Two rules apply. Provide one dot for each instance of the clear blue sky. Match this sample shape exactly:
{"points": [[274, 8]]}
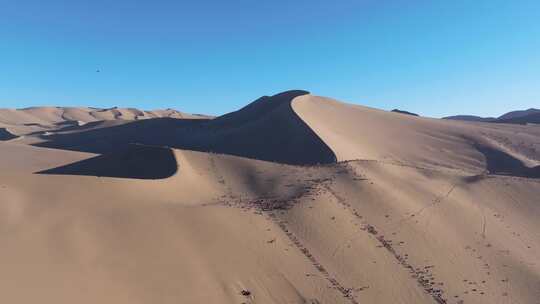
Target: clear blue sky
{"points": [[432, 57]]}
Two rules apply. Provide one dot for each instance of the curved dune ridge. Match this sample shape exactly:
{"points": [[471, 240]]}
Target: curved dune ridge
{"points": [[266, 129], [356, 132], [269, 129], [295, 127]]}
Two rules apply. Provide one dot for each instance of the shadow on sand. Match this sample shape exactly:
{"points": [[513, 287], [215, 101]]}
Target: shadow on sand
{"points": [[5, 135], [134, 161], [498, 162], [266, 129]]}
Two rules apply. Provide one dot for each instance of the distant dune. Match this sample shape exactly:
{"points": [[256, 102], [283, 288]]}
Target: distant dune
{"points": [[404, 112], [519, 114], [294, 198], [43, 119], [470, 118], [515, 117]]}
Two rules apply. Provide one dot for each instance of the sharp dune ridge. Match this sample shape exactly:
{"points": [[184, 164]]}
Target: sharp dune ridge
{"points": [[266, 129], [273, 129], [356, 132], [295, 198]]}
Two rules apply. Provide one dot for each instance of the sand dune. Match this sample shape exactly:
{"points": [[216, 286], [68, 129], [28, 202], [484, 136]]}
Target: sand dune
{"points": [[267, 129], [296, 127], [356, 132], [401, 209], [40, 119]]}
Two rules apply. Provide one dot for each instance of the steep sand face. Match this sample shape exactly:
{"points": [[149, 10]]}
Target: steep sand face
{"points": [[357, 132], [266, 129]]}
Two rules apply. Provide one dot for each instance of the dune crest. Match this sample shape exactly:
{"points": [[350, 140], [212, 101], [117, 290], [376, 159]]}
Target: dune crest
{"points": [[266, 129], [357, 132]]}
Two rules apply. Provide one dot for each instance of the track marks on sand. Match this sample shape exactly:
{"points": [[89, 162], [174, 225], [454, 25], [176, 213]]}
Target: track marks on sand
{"points": [[423, 275], [346, 292], [271, 205]]}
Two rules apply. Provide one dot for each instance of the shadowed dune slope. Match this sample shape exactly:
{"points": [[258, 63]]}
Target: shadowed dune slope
{"points": [[109, 138], [22, 158], [135, 161], [357, 132], [267, 129], [498, 162], [6, 135]]}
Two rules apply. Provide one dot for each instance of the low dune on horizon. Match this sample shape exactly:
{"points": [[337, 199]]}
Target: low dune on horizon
{"points": [[295, 198]]}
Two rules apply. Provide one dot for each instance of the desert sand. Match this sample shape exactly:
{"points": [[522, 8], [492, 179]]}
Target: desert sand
{"points": [[295, 198]]}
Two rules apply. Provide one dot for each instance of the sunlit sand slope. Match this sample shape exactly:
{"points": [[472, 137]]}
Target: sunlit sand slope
{"points": [[357, 132]]}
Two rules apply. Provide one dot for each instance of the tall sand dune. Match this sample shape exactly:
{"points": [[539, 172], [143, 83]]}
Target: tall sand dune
{"points": [[357, 132], [296, 127], [267, 129]]}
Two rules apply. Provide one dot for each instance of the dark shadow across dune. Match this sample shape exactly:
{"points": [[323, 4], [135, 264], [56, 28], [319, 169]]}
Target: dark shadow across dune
{"points": [[102, 140], [498, 162], [6, 135], [266, 129], [134, 161]]}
